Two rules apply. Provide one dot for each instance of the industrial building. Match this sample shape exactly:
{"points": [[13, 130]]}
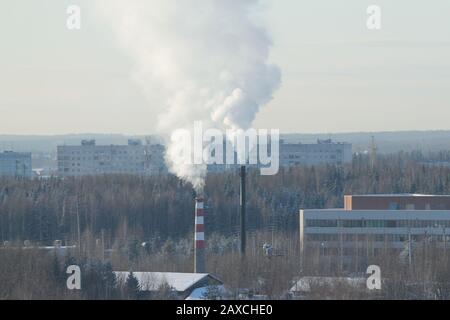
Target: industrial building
{"points": [[372, 224], [322, 152], [15, 164], [91, 159]]}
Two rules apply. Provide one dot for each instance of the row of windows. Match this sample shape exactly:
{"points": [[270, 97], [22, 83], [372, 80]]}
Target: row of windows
{"points": [[378, 223], [104, 163], [375, 237], [127, 158], [312, 151], [128, 166], [122, 165], [105, 152], [118, 170], [322, 223], [307, 157]]}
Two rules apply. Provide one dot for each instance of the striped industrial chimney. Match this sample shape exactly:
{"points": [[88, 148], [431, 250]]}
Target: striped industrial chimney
{"points": [[199, 259]]}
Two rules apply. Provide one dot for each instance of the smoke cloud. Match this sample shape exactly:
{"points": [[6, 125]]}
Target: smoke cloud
{"points": [[206, 59]]}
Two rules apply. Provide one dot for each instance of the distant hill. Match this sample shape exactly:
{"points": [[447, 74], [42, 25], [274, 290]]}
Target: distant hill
{"points": [[48, 144], [386, 142]]}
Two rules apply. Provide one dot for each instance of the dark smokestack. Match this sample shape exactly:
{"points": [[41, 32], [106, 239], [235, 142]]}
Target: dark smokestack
{"points": [[199, 249], [242, 206]]}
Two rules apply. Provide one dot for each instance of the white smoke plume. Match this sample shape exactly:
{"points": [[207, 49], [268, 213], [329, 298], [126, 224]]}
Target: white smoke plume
{"points": [[207, 59]]}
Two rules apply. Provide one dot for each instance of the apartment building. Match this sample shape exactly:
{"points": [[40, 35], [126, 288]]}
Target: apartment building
{"points": [[15, 164], [322, 152], [91, 159]]}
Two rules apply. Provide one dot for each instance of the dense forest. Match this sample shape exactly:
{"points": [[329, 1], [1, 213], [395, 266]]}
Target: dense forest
{"points": [[157, 208], [146, 224]]}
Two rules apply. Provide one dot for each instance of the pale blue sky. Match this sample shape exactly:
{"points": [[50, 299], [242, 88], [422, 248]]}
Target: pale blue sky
{"points": [[337, 75]]}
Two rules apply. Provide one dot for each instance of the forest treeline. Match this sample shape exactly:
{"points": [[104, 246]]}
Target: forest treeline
{"points": [[112, 216], [120, 207]]}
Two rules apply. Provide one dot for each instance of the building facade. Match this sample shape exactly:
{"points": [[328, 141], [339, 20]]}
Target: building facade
{"points": [[91, 159], [338, 229], [154, 159], [397, 202], [292, 154], [15, 164], [323, 152], [371, 228]]}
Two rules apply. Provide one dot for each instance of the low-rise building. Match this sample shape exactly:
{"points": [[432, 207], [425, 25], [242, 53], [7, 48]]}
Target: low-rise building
{"points": [[367, 229]]}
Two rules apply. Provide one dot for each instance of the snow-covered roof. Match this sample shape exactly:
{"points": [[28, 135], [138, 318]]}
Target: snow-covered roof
{"points": [[198, 294], [201, 293], [151, 281], [304, 284], [399, 195]]}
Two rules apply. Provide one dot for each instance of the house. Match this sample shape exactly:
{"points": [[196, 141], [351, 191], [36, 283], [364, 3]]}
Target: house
{"points": [[217, 292], [182, 284], [305, 285]]}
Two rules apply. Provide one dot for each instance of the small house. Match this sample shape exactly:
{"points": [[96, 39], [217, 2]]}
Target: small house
{"points": [[181, 284]]}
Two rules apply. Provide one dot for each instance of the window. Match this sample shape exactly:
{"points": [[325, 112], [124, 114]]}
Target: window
{"points": [[391, 224], [374, 223], [322, 237], [393, 206], [322, 223], [352, 223]]}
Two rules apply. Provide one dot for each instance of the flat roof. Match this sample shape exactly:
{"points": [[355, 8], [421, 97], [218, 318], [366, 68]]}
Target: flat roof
{"points": [[14, 152], [397, 195], [377, 214]]}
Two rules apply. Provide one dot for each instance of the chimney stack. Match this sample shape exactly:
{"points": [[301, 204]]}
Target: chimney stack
{"points": [[242, 209], [199, 252]]}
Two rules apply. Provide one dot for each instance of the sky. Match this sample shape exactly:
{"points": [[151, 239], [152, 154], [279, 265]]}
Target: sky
{"points": [[337, 75]]}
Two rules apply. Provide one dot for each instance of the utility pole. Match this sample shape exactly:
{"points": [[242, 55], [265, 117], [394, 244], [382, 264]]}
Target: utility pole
{"points": [[409, 248], [445, 244], [373, 153], [78, 225], [103, 245]]}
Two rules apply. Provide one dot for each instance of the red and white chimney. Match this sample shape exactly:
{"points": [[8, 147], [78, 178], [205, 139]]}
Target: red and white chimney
{"points": [[199, 251]]}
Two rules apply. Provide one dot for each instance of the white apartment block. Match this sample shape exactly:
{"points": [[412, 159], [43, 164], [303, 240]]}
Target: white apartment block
{"points": [[323, 152], [91, 159], [15, 164], [154, 160], [291, 154]]}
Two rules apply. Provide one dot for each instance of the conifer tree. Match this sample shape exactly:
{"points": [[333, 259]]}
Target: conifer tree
{"points": [[132, 287]]}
